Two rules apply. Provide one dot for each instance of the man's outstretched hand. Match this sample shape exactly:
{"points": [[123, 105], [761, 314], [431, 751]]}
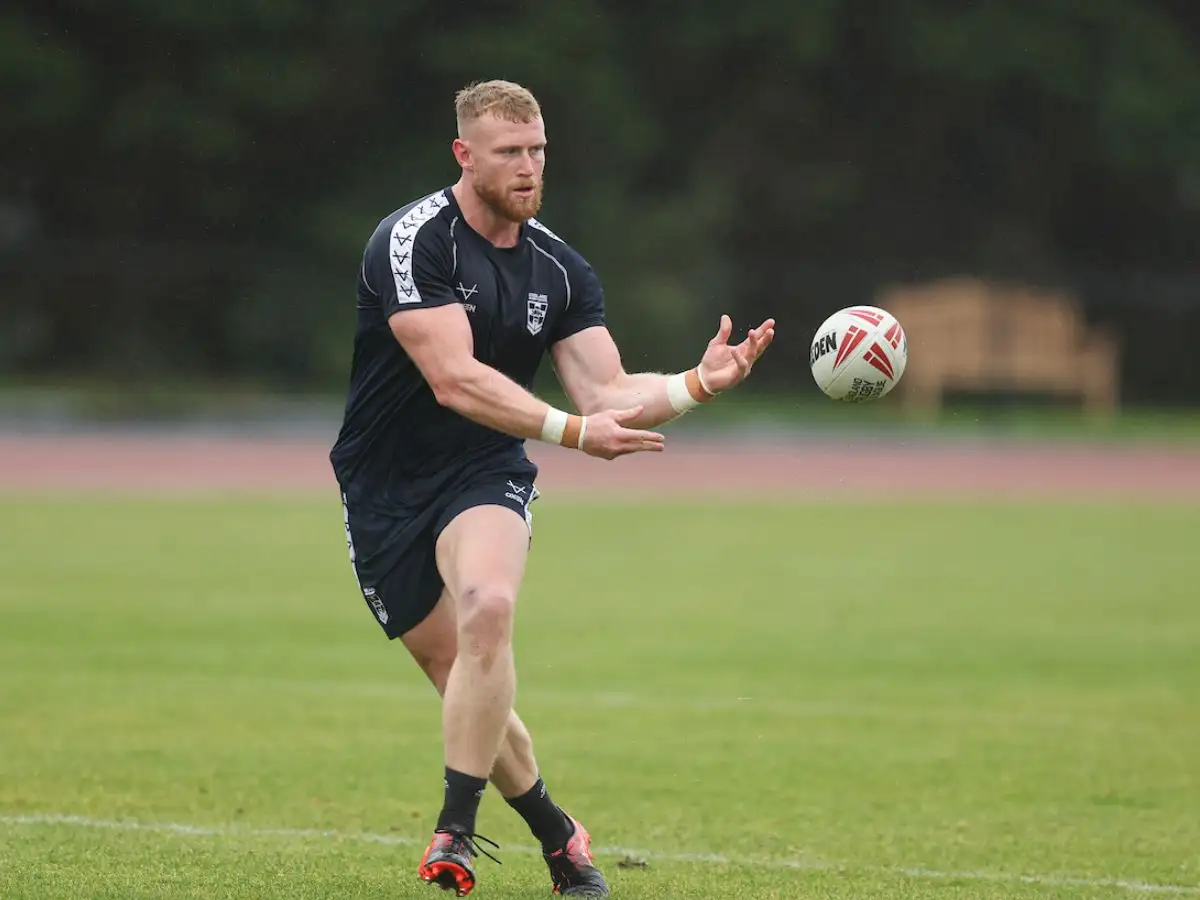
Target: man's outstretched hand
{"points": [[608, 437], [723, 366]]}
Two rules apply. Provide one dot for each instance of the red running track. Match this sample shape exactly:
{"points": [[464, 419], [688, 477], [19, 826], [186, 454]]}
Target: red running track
{"points": [[186, 465]]}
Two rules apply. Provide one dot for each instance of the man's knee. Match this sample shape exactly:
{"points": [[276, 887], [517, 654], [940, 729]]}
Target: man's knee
{"points": [[485, 616]]}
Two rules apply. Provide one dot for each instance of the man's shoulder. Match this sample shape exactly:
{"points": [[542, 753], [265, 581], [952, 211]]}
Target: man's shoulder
{"points": [[413, 216], [549, 242]]}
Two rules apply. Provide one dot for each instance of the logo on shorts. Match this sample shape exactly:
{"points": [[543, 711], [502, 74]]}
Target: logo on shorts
{"points": [[381, 612], [516, 492], [536, 315]]}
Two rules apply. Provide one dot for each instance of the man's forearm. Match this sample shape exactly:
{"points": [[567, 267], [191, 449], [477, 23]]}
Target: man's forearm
{"points": [[662, 397], [487, 396]]}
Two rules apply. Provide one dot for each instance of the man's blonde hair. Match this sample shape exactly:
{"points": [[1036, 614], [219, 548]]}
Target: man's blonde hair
{"points": [[503, 99]]}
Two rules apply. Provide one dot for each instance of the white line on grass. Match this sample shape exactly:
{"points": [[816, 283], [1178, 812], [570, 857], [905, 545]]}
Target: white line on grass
{"points": [[714, 859]]}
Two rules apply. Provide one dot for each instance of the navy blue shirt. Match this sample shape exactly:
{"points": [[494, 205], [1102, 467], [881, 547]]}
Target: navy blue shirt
{"points": [[397, 444]]}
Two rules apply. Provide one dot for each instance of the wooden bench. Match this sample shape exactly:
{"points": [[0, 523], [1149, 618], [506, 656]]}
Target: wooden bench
{"points": [[969, 335]]}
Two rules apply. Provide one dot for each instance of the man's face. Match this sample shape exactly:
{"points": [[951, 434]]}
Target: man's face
{"points": [[509, 158]]}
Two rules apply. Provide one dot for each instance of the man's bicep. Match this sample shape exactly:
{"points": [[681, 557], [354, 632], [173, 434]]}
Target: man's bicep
{"points": [[438, 340], [585, 307], [588, 363]]}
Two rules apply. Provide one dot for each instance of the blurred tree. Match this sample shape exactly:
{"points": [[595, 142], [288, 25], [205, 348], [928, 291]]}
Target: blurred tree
{"points": [[198, 178]]}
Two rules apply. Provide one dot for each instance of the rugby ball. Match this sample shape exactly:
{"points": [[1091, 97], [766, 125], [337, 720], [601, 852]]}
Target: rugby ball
{"points": [[858, 354]]}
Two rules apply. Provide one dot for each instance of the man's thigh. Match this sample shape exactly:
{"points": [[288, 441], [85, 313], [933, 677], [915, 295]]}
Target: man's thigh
{"points": [[483, 536], [398, 555], [434, 642]]}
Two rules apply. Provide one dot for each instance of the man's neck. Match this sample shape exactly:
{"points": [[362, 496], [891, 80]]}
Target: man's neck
{"points": [[499, 231]]}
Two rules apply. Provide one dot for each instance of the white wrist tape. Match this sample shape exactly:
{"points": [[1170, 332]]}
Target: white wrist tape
{"points": [[687, 390], [678, 395], [554, 425], [563, 428]]}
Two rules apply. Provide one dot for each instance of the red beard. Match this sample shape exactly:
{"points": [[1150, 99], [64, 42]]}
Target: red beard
{"points": [[510, 206]]}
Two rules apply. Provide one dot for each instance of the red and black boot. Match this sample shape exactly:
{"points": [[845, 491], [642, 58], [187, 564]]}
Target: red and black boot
{"points": [[572, 868], [447, 860]]}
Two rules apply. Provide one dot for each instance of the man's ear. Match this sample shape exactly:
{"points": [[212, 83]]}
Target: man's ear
{"points": [[462, 153]]}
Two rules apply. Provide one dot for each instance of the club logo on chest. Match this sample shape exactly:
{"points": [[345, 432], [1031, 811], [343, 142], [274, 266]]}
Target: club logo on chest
{"points": [[536, 314]]}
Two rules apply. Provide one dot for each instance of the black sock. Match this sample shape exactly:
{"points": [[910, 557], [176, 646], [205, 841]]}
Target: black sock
{"points": [[548, 823], [463, 793]]}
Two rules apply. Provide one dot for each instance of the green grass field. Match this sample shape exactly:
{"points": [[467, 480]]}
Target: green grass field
{"points": [[841, 700], [799, 407]]}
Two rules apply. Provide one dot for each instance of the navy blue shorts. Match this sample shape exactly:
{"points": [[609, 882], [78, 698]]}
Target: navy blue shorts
{"points": [[393, 552]]}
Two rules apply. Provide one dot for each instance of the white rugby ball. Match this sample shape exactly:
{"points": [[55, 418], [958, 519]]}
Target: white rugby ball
{"points": [[858, 354]]}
